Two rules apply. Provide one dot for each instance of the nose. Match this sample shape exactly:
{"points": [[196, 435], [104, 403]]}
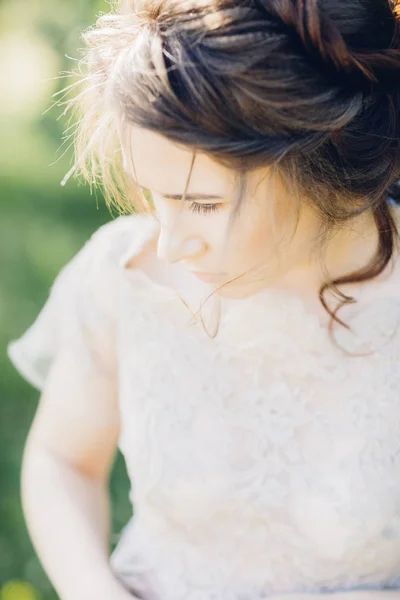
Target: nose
{"points": [[173, 247]]}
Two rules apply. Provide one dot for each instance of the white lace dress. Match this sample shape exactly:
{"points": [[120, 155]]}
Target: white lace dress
{"points": [[263, 461]]}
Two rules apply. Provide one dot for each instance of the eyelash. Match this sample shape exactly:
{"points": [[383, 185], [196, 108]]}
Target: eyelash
{"points": [[198, 208]]}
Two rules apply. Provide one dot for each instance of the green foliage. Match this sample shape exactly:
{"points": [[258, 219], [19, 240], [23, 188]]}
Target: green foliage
{"points": [[41, 227]]}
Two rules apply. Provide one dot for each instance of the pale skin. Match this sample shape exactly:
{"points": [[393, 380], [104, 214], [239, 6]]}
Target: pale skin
{"points": [[73, 439], [258, 252]]}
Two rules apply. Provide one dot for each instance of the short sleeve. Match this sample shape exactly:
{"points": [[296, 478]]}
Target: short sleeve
{"points": [[80, 310]]}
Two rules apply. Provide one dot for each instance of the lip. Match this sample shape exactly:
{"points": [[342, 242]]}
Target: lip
{"points": [[207, 277]]}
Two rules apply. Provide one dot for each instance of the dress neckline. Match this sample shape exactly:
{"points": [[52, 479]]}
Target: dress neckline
{"points": [[273, 308]]}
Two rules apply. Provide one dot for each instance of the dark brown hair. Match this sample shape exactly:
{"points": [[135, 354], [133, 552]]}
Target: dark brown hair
{"points": [[310, 87]]}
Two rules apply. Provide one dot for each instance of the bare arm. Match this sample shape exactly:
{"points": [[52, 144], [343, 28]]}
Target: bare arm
{"points": [[67, 460], [64, 482]]}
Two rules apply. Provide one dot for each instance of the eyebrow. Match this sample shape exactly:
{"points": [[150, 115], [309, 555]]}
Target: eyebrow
{"points": [[189, 197]]}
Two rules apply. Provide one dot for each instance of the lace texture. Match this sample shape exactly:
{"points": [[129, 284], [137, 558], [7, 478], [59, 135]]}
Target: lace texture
{"points": [[262, 461]]}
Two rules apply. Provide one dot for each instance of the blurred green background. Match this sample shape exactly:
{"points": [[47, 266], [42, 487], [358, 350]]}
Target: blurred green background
{"points": [[42, 225]]}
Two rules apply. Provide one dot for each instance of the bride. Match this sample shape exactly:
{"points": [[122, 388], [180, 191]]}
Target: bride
{"points": [[236, 334]]}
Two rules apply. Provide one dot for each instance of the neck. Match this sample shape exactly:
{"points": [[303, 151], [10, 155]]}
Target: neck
{"points": [[347, 251]]}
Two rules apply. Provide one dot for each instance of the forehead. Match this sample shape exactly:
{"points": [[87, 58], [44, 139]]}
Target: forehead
{"points": [[161, 165]]}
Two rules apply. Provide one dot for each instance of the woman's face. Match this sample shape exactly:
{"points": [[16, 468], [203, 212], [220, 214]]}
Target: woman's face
{"points": [[198, 232]]}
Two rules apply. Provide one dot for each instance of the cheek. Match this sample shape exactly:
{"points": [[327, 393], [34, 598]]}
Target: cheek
{"points": [[214, 230], [251, 241]]}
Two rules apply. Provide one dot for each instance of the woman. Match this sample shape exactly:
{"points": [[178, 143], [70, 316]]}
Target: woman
{"points": [[240, 340]]}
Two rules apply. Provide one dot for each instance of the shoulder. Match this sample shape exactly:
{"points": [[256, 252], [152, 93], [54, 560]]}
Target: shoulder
{"points": [[374, 318], [92, 276], [123, 238], [88, 282]]}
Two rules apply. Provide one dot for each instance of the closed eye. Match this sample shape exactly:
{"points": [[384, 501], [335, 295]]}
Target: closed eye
{"points": [[198, 208]]}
